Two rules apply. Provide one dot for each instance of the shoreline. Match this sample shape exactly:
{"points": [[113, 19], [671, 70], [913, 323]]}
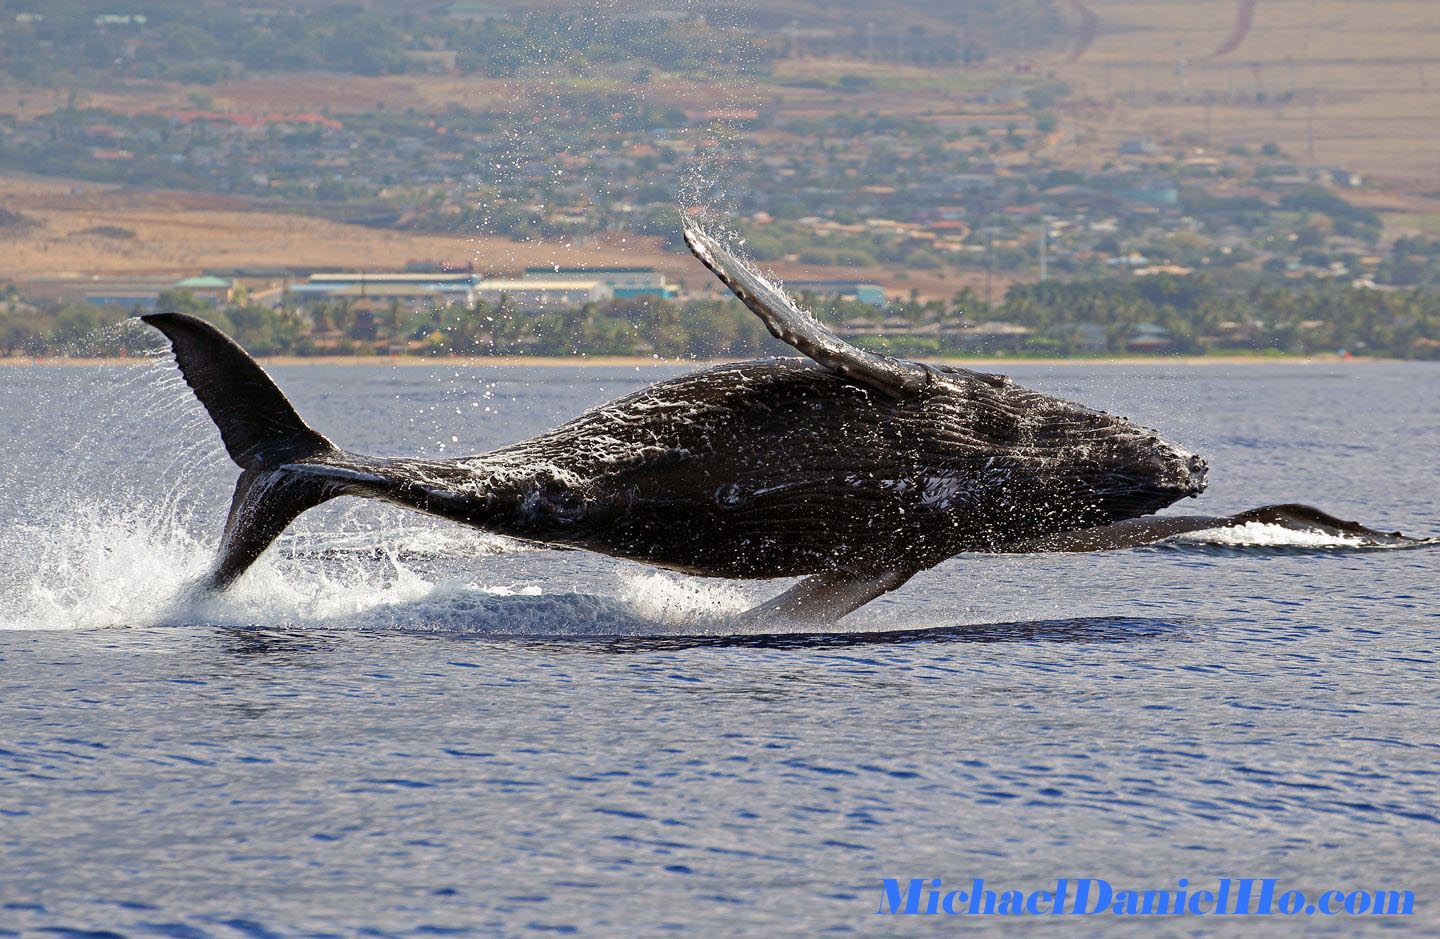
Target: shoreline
{"points": [[625, 361]]}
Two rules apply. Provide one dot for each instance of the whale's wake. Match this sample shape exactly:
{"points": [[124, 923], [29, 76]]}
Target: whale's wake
{"points": [[103, 568], [1262, 535]]}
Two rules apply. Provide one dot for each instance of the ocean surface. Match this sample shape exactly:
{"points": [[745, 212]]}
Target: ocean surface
{"points": [[394, 727]]}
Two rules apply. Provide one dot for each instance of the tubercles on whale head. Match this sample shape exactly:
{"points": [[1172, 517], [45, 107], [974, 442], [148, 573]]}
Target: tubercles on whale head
{"points": [[1134, 470], [1181, 470], [1199, 469], [1145, 473]]}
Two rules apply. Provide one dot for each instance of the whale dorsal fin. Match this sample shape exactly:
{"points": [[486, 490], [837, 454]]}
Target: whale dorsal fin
{"points": [[790, 324]]}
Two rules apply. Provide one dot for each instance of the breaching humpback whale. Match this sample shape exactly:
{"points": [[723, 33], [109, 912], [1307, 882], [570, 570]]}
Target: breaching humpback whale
{"points": [[848, 468]]}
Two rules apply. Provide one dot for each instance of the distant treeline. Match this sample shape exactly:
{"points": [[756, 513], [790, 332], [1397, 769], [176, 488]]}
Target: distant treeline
{"points": [[60, 41], [1193, 314], [1200, 316], [49, 42]]}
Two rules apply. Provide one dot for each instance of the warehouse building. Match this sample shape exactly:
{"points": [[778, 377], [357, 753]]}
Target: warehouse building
{"points": [[534, 293], [416, 291], [624, 282]]}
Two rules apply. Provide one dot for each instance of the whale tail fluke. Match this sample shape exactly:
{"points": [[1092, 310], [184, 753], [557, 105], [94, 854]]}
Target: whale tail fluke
{"points": [[259, 426], [263, 435]]}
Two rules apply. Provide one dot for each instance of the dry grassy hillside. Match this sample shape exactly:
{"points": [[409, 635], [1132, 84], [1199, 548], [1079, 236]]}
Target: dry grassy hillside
{"points": [[1352, 83], [84, 230], [1345, 83], [89, 229]]}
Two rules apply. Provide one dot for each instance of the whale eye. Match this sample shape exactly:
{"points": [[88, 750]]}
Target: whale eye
{"points": [[730, 495]]}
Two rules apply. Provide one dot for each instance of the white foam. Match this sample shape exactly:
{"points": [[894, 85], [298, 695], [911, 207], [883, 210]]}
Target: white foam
{"points": [[676, 602], [87, 572], [102, 567], [1265, 535]]}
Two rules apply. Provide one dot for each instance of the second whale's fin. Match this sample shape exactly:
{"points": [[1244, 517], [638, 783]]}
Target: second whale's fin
{"points": [[263, 435], [1134, 532], [897, 378]]}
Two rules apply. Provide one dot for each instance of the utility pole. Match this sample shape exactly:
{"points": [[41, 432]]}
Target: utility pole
{"points": [[989, 262], [1310, 132], [1044, 244]]}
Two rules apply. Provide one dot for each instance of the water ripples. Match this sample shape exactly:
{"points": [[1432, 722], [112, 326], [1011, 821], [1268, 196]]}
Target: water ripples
{"points": [[347, 746]]}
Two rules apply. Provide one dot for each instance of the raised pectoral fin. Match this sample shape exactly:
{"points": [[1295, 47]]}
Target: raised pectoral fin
{"points": [[821, 599], [790, 324]]}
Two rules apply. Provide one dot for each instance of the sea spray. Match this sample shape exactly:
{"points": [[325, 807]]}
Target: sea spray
{"points": [[667, 600], [103, 567]]}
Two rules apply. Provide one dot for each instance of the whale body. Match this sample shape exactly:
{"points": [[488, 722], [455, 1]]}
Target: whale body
{"points": [[851, 469]]}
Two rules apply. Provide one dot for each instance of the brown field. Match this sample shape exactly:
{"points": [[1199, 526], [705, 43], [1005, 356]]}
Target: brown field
{"points": [[896, 89], [1351, 84], [183, 233], [186, 232], [351, 94], [1333, 82]]}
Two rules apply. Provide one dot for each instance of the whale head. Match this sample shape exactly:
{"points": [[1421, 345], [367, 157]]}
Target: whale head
{"points": [[1143, 472], [1104, 468]]}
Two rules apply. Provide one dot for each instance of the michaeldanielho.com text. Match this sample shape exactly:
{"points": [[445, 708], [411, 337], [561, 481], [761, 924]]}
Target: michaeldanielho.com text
{"points": [[1090, 896]]}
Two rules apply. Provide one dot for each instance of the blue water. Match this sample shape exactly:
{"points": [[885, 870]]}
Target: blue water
{"points": [[396, 728]]}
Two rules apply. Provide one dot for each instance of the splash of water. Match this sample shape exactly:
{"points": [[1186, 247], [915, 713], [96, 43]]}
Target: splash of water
{"points": [[679, 602], [398, 540], [107, 539], [1262, 535], [104, 567]]}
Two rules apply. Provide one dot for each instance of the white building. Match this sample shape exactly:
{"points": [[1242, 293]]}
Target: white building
{"points": [[415, 290], [533, 293], [625, 282]]}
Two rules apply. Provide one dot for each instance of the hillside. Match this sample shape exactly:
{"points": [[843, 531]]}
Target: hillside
{"points": [[67, 231], [1335, 82], [925, 149]]}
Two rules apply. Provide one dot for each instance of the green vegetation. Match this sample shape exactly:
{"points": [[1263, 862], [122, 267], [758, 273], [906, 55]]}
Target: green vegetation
{"points": [[1193, 314], [1411, 262], [1246, 250], [1199, 317], [204, 43]]}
